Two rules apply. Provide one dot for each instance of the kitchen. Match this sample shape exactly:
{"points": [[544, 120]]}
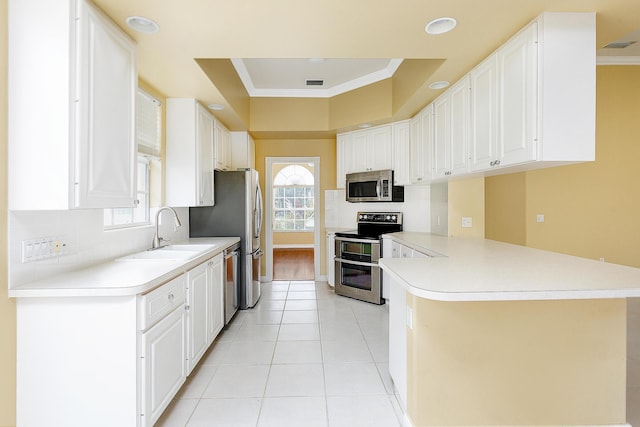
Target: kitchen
{"points": [[589, 208]]}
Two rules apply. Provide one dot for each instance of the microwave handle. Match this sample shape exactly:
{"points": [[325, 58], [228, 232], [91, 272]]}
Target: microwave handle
{"points": [[378, 187]]}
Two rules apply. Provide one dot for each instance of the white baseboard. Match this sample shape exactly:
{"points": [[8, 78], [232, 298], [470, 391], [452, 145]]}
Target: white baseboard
{"points": [[294, 246]]}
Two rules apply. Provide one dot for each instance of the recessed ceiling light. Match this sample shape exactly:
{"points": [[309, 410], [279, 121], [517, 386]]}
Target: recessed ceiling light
{"points": [[364, 125], [216, 107], [440, 25], [142, 24], [619, 45], [439, 85]]}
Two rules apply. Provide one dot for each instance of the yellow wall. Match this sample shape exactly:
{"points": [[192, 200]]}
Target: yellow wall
{"points": [[517, 362], [591, 209], [7, 306], [323, 148], [505, 208], [466, 199]]}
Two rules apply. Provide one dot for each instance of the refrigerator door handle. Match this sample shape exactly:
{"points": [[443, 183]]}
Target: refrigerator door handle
{"points": [[257, 214], [257, 253]]}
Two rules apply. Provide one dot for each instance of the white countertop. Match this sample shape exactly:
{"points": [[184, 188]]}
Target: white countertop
{"points": [[120, 278], [485, 270]]}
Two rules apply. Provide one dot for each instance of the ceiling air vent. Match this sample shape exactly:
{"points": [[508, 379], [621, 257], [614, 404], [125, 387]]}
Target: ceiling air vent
{"points": [[619, 45], [315, 82]]}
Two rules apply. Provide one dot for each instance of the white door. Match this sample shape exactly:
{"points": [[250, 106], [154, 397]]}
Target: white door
{"points": [[517, 73], [442, 137], [380, 148], [216, 297], [163, 365], [401, 157], [484, 98], [105, 145], [459, 126], [197, 314], [205, 159]]}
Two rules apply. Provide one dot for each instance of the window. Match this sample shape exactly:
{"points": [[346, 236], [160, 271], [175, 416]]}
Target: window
{"points": [[293, 199], [148, 133]]}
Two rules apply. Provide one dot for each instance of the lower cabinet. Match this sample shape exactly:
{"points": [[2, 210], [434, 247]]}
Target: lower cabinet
{"points": [[205, 309], [331, 253], [163, 365], [398, 340]]}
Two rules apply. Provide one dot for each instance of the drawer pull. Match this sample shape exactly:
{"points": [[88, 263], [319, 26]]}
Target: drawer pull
{"points": [[171, 297]]}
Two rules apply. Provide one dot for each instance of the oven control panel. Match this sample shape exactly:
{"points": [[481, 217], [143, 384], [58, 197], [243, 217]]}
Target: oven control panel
{"points": [[380, 217]]}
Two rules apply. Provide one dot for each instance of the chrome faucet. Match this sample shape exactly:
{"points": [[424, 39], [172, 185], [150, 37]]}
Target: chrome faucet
{"points": [[157, 239]]}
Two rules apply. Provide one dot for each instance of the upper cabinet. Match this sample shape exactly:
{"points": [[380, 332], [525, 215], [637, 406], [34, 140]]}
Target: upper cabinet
{"points": [[451, 131], [364, 150], [189, 154], [243, 151], [401, 149], [533, 100], [421, 146], [222, 141], [82, 152]]}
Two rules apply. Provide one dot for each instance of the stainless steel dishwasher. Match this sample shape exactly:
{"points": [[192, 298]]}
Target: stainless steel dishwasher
{"points": [[231, 290]]}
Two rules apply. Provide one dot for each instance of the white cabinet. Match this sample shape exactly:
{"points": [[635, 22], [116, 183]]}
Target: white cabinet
{"points": [[331, 254], [205, 310], [533, 100], [82, 152], [163, 359], [343, 146], [243, 151], [222, 141], [189, 154], [451, 130], [398, 314], [368, 150], [421, 149], [401, 149]]}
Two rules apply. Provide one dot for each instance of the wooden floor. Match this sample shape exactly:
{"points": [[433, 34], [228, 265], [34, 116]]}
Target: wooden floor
{"points": [[293, 264]]}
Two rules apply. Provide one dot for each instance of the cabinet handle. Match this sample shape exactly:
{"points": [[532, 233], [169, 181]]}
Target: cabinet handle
{"points": [[210, 263], [497, 162], [136, 202], [419, 179], [187, 308], [171, 297]]}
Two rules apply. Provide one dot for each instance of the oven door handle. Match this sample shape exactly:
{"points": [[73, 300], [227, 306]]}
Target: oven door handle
{"points": [[351, 239], [348, 261]]}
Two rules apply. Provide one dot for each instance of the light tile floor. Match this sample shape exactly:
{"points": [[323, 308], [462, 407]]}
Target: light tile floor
{"points": [[302, 357]]}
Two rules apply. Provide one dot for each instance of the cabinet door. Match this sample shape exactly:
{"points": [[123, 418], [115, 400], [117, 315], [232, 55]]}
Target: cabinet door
{"points": [[204, 164], [216, 298], [379, 148], [484, 98], [398, 339], [343, 157], [459, 126], [517, 73], [198, 314], [442, 137], [401, 157], [359, 152], [104, 143], [421, 146], [163, 365]]}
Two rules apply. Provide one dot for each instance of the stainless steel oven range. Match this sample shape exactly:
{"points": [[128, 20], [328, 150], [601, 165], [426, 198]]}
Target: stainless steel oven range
{"points": [[357, 255]]}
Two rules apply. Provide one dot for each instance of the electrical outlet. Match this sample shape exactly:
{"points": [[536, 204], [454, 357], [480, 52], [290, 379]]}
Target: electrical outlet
{"points": [[540, 218], [467, 222], [42, 248]]}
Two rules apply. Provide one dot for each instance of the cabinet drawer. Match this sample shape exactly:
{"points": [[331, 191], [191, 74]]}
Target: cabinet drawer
{"points": [[161, 301]]}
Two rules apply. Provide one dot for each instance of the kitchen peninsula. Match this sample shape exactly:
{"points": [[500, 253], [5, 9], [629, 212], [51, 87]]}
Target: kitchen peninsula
{"points": [[489, 333]]}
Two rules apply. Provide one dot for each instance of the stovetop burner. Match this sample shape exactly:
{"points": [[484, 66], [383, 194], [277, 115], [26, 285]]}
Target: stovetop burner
{"points": [[371, 225]]}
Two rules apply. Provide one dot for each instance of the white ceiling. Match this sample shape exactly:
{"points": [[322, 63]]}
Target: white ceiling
{"points": [[264, 77]]}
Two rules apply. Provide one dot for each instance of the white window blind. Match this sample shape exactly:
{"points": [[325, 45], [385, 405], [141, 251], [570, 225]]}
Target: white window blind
{"points": [[148, 123]]}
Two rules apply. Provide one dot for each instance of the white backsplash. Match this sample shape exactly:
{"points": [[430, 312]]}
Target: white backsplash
{"points": [[416, 209], [87, 242]]}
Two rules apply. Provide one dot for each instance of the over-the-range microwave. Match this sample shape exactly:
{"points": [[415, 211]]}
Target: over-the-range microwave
{"points": [[373, 186]]}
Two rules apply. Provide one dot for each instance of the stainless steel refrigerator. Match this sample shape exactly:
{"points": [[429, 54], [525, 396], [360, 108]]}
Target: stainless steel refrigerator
{"points": [[237, 212]]}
